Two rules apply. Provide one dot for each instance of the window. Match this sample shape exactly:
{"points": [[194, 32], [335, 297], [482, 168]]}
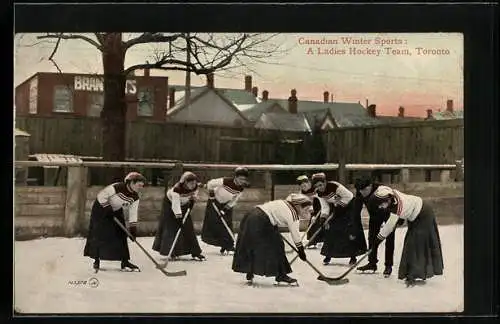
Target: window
{"points": [[63, 99], [146, 101], [95, 105], [33, 96]]}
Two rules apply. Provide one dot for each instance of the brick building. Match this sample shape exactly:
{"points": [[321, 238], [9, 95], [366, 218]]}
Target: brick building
{"points": [[53, 94]]}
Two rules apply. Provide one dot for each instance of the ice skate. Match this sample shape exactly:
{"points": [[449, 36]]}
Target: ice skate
{"points": [[387, 271], [198, 257], [285, 279], [368, 267], [326, 260], [249, 278], [410, 282], [352, 261], [128, 266], [96, 265]]}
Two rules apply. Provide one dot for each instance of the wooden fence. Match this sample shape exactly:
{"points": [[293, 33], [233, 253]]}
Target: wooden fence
{"points": [[65, 211], [437, 142]]}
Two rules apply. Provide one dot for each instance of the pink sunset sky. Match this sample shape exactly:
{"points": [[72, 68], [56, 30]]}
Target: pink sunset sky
{"points": [[404, 75]]}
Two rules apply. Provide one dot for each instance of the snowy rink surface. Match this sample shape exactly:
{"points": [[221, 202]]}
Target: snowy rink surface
{"points": [[53, 276]]}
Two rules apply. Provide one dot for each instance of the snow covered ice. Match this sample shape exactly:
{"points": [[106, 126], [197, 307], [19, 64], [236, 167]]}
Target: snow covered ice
{"points": [[53, 276]]}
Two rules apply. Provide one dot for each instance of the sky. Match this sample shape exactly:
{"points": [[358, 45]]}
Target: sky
{"points": [[418, 71]]}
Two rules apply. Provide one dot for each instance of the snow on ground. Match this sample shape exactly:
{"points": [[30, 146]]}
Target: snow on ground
{"points": [[52, 276]]}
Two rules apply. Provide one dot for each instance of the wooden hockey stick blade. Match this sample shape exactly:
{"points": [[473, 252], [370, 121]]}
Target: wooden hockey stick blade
{"points": [[333, 281], [173, 273], [158, 266], [342, 276]]}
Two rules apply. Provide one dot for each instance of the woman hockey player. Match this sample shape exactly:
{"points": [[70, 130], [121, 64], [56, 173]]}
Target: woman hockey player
{"points": [[422, 257], [307, 189], [260, 248], [177, 200], [224, 194], [364, 189], [105, 239], [344, 236]]}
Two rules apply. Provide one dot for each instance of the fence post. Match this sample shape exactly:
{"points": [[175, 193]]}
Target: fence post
{"points": [[459, 170], [405, 175], [444, 176], [76, 195], [268, 183], [341, 170]]}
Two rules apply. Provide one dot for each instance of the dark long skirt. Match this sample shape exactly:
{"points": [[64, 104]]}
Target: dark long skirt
{"points": [[105, 239], [187, 243], [259, 247], [320, 237], [337, 243], [422, 257], [213, 231]]}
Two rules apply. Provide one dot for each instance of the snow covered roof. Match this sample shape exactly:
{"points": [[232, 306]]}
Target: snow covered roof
{"points": [[43, 157]]}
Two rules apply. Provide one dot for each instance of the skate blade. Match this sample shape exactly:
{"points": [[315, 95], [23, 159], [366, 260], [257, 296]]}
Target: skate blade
{"points": [[130, 270], [286, 284], [366, 272]]}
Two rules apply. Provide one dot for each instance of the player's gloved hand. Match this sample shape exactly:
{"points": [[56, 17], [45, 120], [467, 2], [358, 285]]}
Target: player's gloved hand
{"points": [[225, 210], [132, 228], [302, 253], [211, 194]]}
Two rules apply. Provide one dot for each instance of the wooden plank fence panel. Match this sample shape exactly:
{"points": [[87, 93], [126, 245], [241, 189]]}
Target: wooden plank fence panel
{"points": [[418, 142]]}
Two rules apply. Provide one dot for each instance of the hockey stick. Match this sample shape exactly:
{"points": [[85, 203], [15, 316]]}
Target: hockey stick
{"points": [[322, 277], [354, 265], [224, 222], [168, 274], [313, 237], [164, 265]]}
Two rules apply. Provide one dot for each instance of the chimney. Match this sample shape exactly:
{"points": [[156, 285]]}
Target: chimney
{"points": [[171, 97], [449, 105], [265, 95], [255, 91], [372, 110], [210, 80], [326, 96], [401, 111], [429, 114], [248, 83], [146, 72], [292, 102]]}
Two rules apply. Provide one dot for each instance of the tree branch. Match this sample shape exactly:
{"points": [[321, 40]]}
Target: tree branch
{"points": [[72, 36], [151, 38]]}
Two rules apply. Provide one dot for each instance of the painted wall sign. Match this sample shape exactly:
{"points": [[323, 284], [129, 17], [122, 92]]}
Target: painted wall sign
{"points": [[87, 83]]}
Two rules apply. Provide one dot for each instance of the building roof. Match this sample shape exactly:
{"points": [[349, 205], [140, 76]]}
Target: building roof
{"points": [[253, 113], [237, 96], [196, 94], [284, 122], [397, 119], [455, 114]]}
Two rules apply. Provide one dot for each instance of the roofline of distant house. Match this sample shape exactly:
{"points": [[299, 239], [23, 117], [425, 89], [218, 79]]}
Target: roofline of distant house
{"points": [[206, 90]]}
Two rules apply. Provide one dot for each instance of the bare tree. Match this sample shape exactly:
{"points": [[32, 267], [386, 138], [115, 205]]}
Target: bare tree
{"points": [[208, 53]]}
